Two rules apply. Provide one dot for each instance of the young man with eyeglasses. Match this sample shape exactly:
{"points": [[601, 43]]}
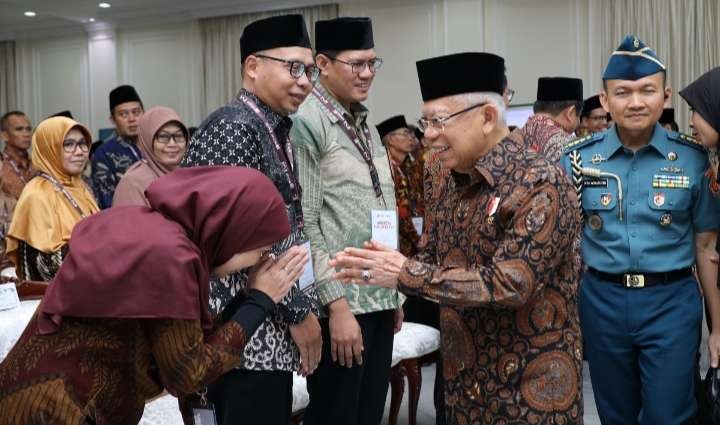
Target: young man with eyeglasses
{"points": [[115, 155], [594, 119], [345, 176], [495, 255], [253, 131]]}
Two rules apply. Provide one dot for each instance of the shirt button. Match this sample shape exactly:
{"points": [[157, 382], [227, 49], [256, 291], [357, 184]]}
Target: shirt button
{"points": [[632, 202], [634, 168]]}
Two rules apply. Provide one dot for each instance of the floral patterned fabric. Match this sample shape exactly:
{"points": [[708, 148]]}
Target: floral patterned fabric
{"points": [[497, 255], [408, 178], [102, 371]]}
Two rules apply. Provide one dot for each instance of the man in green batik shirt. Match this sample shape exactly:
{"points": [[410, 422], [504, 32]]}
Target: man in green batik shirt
{"points": [[344, 173]]}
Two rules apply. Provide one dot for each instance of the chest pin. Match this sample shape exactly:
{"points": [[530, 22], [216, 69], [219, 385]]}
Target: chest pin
{"points": [[595, 222], [665, 219], [672, 156], [659, 199]]}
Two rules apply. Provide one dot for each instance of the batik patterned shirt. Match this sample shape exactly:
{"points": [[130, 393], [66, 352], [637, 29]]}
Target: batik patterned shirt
{"points": [[408, 178], [234, 135], [338, 196], [109, 163], [543, 135], [496, 255]]}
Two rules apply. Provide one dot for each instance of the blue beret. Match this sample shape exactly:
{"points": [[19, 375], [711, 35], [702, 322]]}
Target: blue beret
{"points": [[632, 60]]}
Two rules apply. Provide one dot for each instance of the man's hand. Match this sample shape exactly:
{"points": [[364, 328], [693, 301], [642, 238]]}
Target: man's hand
{"points": [[375, 264], [308, 338], [346, 339]]}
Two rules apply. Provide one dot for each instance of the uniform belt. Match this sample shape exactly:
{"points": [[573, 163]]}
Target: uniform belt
{"points": [[641, 280]]}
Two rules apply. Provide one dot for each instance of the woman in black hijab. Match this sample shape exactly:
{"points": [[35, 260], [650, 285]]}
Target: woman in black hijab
{"points": [[703, 96]]}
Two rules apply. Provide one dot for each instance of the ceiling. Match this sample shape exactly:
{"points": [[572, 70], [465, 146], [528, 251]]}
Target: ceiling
{"points": [[62, 17]]}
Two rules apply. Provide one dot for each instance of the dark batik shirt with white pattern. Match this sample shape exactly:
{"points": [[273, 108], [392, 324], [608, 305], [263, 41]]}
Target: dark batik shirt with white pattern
{"points": [[109, 163], [233, 135]]}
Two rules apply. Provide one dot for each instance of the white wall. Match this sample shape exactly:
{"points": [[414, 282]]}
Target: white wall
{"points": [[537, 38], [77, 73]]}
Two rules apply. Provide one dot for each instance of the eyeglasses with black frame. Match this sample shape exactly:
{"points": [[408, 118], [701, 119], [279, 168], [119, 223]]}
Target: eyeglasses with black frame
{"points": [[357, 67], [439, 123], [164, 138], [69, 145], [297, 68]]}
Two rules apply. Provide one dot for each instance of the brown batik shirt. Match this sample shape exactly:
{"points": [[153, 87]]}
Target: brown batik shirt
{"points": [[408, 178], [496, 254], [16, 172]]}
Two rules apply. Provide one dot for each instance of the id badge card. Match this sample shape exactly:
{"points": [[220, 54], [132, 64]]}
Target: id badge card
{"points": [[204, 415], [8, 296], [418, 224], [307, 279], [384, 225]]}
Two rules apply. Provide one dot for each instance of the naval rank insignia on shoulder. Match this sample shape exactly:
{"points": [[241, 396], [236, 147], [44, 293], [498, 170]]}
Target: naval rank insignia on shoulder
{"points": [[582, 141], [685, 139]]}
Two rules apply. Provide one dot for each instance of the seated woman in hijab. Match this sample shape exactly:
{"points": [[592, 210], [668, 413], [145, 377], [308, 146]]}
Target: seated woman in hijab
{"points": [[126, 316], [162, 139], [53, 202]]}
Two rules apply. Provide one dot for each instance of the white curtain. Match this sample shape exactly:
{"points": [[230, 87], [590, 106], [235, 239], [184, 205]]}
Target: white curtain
{"points": [[684, 33], [221, 50], [8, 85]]}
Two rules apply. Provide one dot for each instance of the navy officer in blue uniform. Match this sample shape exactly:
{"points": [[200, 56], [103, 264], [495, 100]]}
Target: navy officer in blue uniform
{"points": [[649, 216]]}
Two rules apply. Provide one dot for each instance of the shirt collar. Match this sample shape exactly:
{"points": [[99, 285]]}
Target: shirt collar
{"points": [[21, 161], [274, 119], [486, 168], [658, 141], [358, 112]]}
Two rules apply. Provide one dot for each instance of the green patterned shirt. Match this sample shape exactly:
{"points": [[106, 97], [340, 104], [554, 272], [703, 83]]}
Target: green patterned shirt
{"points": [[338, 196]]}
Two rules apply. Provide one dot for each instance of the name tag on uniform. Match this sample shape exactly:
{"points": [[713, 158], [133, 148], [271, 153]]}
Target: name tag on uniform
{"points": [[307, 279], [385, 227], [8, 296], [418, 224], [595, 182]]}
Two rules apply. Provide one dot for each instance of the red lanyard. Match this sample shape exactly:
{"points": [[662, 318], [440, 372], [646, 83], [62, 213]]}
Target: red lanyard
{"points": [[59, 187], [286, 159], [365, 150]]}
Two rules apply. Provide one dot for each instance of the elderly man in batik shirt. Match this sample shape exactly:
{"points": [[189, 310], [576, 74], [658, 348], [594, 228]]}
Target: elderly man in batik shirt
{"points": [[556, 116], [496, 254]]}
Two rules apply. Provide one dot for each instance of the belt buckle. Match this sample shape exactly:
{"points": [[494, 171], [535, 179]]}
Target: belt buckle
{"points": [[634, 280]]}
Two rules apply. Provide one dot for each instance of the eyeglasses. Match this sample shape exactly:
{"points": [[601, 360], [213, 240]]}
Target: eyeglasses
{"points": [[598, 118], [69, 145], [439, 123], [403, 132], [357, 67], [510, 95], [297, 69], [126, 114], [164, 138]]}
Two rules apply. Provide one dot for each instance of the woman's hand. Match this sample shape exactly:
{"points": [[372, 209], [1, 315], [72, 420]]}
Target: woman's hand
{"points": [[376, 264], [275, 278]]}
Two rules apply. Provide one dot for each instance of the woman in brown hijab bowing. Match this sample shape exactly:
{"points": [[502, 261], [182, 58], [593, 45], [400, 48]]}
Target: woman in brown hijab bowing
{"points": [[162, 139], [53, 202], [127, 317]]}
